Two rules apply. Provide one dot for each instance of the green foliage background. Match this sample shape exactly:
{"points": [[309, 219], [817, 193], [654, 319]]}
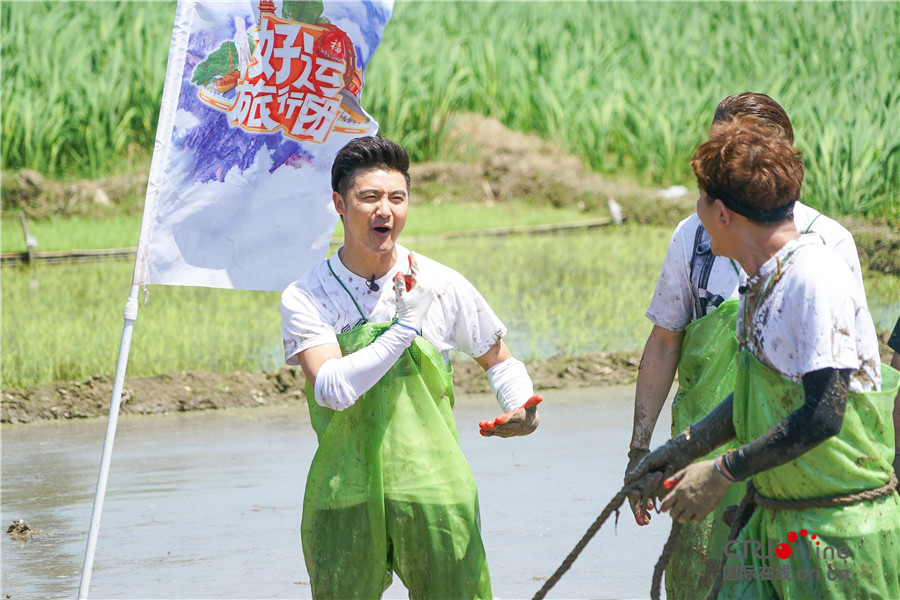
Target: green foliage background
{"points": [[629, 87]]}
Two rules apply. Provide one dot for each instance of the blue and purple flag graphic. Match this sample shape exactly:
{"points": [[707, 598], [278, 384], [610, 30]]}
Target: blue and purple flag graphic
{"points": [[259, 97]]}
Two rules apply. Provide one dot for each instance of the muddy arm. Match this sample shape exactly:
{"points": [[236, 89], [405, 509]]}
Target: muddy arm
{"points": [[655, 376], [820, 417]]}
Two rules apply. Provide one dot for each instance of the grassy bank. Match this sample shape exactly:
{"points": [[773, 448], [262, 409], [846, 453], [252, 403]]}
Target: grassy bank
{"points": [[628, 87], [64, 322], [568, 294]]}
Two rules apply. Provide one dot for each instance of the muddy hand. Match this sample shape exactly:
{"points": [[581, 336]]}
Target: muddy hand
{"points": [[695, 491], [640, 502], [514, 423], [646, 493], [675, 454]]}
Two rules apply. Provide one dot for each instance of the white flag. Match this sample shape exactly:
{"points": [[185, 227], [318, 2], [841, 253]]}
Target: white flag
{"points": [[259, 97]]}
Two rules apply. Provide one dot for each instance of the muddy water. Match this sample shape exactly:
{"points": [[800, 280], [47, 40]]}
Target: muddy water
{"points": [[207, 505]]}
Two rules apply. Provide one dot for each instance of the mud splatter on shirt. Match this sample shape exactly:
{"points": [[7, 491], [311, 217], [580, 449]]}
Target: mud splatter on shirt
{"points": [[804, 311]]}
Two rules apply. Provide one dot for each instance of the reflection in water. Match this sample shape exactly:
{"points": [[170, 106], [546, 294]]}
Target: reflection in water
{"points": [[207, 505]]}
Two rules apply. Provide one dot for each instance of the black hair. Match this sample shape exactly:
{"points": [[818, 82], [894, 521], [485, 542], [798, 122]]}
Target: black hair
{"points": [[366, 153]]}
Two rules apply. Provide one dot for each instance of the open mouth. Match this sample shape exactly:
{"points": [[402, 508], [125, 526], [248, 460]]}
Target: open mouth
{"points": [[383, 229]]}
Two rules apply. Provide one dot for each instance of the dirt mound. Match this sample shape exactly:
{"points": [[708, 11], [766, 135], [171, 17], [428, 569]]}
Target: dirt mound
{"points": [[878, 243], [197, 390], [486, 162], [40, 198]]}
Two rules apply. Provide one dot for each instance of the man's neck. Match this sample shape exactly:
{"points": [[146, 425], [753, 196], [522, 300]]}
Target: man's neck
{"points": [[759, 243], [368, 264]]}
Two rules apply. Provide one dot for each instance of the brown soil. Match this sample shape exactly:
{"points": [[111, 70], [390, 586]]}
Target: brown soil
{"points": [[485, 163], [197, 390], [20, 531]]}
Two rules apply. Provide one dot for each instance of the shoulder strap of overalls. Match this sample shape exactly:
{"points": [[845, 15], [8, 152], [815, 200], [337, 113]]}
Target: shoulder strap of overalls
{"points": [[702, 260], [338, 279]]}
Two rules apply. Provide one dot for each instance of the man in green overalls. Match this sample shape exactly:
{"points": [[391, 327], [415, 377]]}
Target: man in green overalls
{"points": [[693, 312], [372, 327], [811, 407]]}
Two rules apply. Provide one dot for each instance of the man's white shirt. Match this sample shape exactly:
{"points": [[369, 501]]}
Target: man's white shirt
{"points": [[316, 308], [673, 300], [805, 312]]}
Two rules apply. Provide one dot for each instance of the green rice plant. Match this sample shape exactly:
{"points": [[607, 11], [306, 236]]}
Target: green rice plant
{"points": [[567, 294], [883, 295], [629, 87], [72, 233], [64, 323], [82, 83]]}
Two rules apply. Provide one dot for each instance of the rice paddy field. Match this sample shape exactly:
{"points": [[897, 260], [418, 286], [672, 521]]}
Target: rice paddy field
{"points": [[568, 294], [628, 86]]}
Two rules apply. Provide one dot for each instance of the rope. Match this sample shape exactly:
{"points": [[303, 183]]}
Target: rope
{"points": [[613, 506], [745, 510], [753, 498], [663, 561], [826, 501]]}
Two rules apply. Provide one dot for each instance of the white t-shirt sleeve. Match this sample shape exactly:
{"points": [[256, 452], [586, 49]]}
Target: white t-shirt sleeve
{"points": [[822, 325], [833, 235], [303, 323], [845, 246], [474, 327], [672, 304]]}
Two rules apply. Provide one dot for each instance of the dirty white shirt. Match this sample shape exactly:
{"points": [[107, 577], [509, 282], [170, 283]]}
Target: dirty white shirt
{"points": [[804, 311], [673, 299], [315, 308]]}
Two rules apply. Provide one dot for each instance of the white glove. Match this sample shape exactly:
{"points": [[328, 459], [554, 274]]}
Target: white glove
{"points": [[414, 298]]}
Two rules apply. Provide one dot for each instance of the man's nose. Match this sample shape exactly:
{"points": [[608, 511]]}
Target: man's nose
{"points": [[383, 209]]}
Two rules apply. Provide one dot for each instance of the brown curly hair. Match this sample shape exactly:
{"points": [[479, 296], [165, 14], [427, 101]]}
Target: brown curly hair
{"points": [[760, 105], [752, 172]]}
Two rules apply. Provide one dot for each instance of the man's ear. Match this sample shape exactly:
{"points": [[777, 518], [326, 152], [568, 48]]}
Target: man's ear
{"points": [[338, 203], [724, 215]]}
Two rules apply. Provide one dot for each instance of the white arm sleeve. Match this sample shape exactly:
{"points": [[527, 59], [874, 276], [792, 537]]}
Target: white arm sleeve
{"points": [[510, 383], [341, 381]]}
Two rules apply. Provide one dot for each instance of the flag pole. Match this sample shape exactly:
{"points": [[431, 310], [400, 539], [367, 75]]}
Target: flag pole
{"points": [[177, 55], [131, 311]]}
